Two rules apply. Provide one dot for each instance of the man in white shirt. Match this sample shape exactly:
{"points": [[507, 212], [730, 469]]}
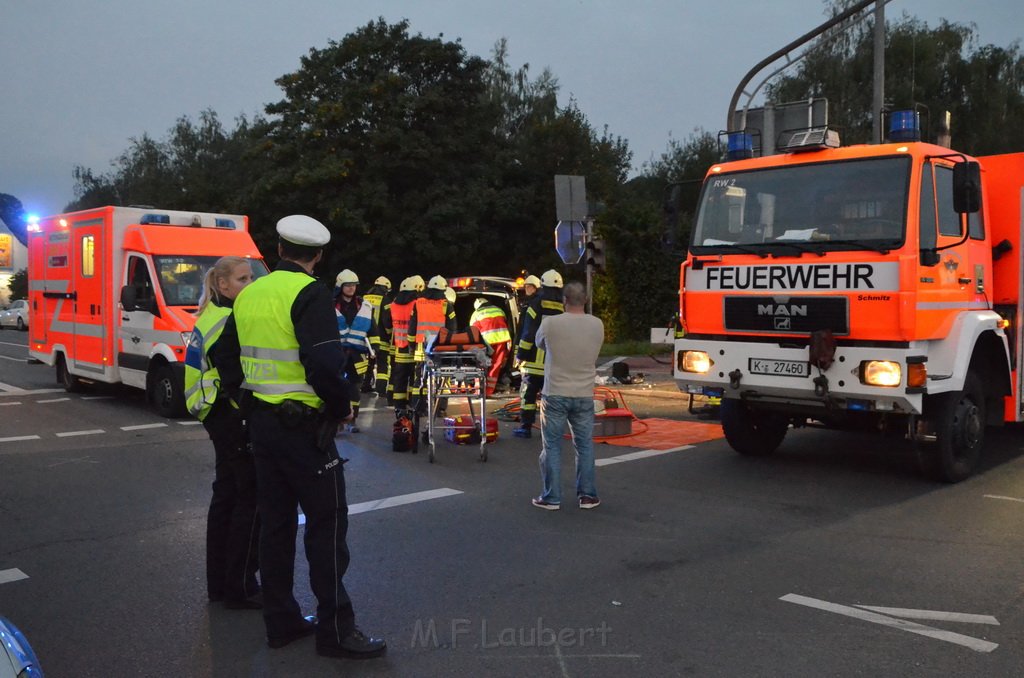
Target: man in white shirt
{"points": [[572, 342]]}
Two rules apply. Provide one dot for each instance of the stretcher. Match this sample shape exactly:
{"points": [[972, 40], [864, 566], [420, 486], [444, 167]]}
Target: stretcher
{"points": [[456, 366]]}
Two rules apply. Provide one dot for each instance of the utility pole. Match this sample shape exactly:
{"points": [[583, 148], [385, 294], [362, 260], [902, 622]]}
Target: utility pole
{"points": [[878, 90]]}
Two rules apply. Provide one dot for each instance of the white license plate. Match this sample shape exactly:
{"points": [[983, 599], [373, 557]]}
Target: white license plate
{"points": [[780, 368]]}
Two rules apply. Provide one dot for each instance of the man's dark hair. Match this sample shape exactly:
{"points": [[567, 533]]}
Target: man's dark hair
{"points": [[300, 253]]}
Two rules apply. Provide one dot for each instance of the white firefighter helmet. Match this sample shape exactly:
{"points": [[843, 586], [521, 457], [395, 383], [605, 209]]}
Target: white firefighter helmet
{"points": [[551, 278], [418, 284], [381, 280], [437, 283], [407, 285], [347, 277], [480, 301], [532, 280], [450, 295]]}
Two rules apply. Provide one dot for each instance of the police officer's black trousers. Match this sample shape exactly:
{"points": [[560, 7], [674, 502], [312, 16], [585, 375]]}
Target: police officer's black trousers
{"points": [[529, 389], [287, 466], [232, 525]]}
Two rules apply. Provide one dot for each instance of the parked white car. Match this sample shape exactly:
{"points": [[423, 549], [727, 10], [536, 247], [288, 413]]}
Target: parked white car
{"points": [[15, 315]]}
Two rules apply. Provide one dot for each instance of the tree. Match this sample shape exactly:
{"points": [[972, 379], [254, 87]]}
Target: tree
{"points": [[13, 214], [18, 285]]}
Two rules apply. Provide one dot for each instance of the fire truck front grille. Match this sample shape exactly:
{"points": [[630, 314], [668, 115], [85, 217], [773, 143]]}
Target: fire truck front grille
{"points": [[788, 315]]}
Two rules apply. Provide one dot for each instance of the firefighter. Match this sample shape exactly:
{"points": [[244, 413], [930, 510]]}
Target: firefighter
{"points": [[395, 324], [283, 340], [431, 312], [232, 525], [530, 287], [490, 320], [378, 356], [530, 357], [355, 326]]}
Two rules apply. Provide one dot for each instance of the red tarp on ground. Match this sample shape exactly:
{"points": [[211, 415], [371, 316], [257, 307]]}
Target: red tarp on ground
{"points": [[664, 434]]}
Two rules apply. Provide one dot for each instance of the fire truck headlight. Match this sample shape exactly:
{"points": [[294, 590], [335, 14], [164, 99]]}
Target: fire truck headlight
{"points": [[695, 361], [880, 373]]}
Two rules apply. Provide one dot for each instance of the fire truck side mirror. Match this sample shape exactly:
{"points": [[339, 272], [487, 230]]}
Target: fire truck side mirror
{"points": [[966, 187]]}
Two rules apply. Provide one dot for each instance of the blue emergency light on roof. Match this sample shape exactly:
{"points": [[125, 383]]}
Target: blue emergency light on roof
{"points": [[224, 223], [904, 126], [740, 146], [155, 219]]}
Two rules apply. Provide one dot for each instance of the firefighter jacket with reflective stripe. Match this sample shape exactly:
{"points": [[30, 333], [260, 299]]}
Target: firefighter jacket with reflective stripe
{"points": [[491, 322], [430, 313], [544, 304], [355, 323], [266, 338], [202, 380], [375, 297], [400, 313]]}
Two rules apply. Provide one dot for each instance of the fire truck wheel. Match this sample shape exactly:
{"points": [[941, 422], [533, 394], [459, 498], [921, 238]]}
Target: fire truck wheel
{"points": [[959, 423], [751, 432], [164, 393], [70, 382]]}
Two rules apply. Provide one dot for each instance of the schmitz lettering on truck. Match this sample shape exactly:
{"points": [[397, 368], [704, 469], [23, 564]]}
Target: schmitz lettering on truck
{"points": [[873, 277]]}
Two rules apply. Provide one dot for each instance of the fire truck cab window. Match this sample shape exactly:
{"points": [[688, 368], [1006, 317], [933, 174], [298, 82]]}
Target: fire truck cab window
{"points": [[949, 220], [839, 205]]}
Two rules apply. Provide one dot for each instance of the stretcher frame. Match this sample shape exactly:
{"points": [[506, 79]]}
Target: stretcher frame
{"points": [[445, 366]]}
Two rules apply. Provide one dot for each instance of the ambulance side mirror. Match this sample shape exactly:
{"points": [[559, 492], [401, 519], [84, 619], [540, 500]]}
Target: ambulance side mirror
{"points": [[128, 298]]}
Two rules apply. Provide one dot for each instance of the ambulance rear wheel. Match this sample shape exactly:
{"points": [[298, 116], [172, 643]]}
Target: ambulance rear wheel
{"points": [[165, 394], [70, 382], [958, 420], [750, 432]]}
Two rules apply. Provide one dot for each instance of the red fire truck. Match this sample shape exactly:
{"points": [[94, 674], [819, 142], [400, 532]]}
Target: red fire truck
{"points": [[871, 285]]}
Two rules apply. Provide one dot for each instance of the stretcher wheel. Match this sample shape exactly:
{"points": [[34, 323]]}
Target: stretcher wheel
{"points": [[483, 454]]}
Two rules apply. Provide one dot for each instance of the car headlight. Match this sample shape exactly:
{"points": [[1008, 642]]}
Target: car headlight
{"points": [[697, 362], [880, 373]]}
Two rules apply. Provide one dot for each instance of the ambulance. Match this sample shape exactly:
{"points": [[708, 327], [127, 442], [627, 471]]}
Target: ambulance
{"points": [[113, 290], [870, 286]]}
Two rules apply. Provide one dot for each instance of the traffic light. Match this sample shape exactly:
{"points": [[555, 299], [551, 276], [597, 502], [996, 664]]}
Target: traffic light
{"points": [[595, 255]]}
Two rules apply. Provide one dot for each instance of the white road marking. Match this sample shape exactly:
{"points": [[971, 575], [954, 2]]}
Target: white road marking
{"points": [[90, 432], [139, 427], [7, 343], [611, 362], [189, 423], [96, 397], [54, 400], [17, 360], [933, 615], [7, 389], [975, 644], [642, 454], [14, 439], [390, 502], [13, 574], [16, 402], [996, 496]]}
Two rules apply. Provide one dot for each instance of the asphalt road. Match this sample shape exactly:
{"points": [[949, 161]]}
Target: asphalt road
{"points": [[698, 562]]}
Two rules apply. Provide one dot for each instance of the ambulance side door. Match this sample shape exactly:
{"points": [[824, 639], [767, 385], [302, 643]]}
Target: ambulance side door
{"points": [[136, 330], [90, 335]]}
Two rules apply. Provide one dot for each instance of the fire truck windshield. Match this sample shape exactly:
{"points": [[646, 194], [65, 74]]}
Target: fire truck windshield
{"points": [[181, 276], [853, 204]]}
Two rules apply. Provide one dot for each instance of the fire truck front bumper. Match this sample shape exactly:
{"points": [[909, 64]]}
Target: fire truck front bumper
{"points": [[860, 378]]}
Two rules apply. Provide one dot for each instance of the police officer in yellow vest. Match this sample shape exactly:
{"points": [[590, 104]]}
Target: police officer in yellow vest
{"points": [[232, 525], [531, 357], [284, 335]]}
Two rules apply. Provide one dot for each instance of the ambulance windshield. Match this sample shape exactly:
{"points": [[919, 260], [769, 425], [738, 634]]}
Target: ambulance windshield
{"points": [[181, 276], [855, 204]]}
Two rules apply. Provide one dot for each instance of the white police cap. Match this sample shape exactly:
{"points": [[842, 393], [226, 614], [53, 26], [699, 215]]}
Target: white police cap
{"points": [[302, 230]]}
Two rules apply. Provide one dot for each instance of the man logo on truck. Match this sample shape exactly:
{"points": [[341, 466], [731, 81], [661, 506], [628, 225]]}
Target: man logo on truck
{"points": [[782, 314]]}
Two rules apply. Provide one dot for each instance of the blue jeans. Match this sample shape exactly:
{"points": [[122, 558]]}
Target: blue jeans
{"points": [[555, 412]]}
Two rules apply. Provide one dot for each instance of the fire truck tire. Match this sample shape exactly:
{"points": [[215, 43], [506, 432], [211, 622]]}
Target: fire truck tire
{"points": [[165, 394], [959, 424], [70, 382], [749, 432]]}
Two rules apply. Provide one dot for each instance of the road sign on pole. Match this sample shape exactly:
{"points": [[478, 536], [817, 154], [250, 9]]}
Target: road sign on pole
{"points": [[570, 240], [570, 197]]}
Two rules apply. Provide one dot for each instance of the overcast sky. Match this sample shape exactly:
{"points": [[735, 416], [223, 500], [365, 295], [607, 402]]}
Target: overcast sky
{"points": [[79, 79]]}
